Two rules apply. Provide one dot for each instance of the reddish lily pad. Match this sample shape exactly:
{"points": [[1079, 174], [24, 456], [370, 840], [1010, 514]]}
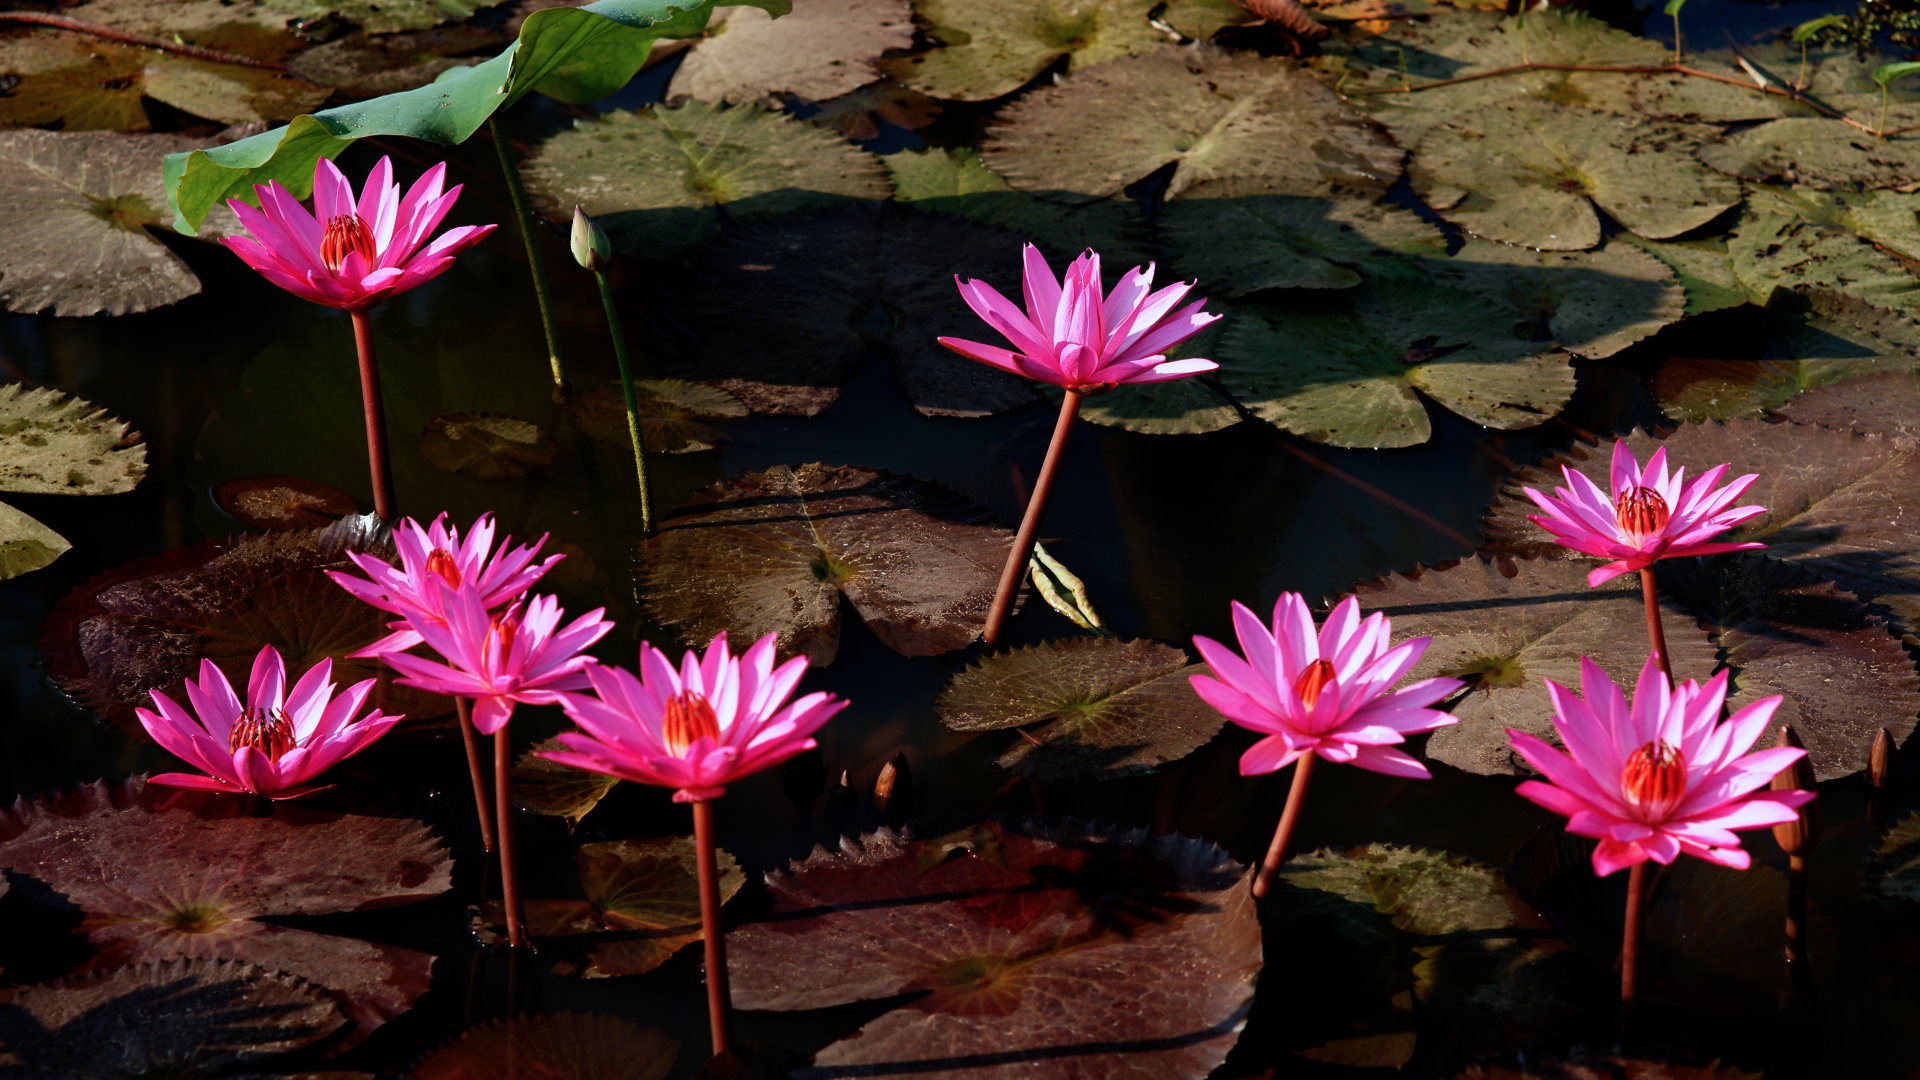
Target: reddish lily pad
{"points": [[1504, 633], [283, 502], [161, 875], [821, 50], [774, 551], [487, 446], [1092, 706], [858, 114], [1081, 950], [547, 787], [577, 1046], [146, 625], [188, 1017], [674, 414]]}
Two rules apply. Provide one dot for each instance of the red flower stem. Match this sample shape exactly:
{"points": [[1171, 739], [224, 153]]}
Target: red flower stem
{"points": [[1281, 849], [1630, 944], [377, 464], [1797, 915], [1655, 632], [503, 809], [1010, 574], [719, 998], [476, 771]]}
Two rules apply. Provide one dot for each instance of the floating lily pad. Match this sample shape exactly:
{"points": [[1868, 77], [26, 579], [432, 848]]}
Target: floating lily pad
{"points": [[363, 65], [52, 443], [1093, 706], [147, 625], [1592, 303], [1035, 953], [1180, 407], [1816, 151], [824, 286], [189, 1017], [1895, 871], [1770, 250], [956, 181], [858, 114], [542, 786], [993, 47], [26, 544], [1345, 370], [642, 904], [1884, 401], [1838, 501], [162, 876], [1292, 241], [75, 208], [1505, 634], [1408, 941], [654, 179], [487, 446], [774, 551], [1530, 173], [821, 50], [1887, 219], [1693, 99], [283, 502], [379, 16], [577, 1046], [673, 414], [1211, 114], [1785, 631]]}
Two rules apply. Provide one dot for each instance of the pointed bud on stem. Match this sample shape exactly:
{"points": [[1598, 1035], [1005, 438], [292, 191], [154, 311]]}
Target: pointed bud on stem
{"points": [[893, 791], [1880, 760], [591, 248], [1796, 837]]}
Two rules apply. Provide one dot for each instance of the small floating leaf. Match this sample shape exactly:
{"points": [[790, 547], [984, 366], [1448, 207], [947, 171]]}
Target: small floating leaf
{"points": [[823, 49], [487, 446], [673, 414], [563, 791], [283, 502], [577, 1046]]}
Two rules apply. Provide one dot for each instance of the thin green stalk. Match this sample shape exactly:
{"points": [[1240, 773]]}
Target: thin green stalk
{"points": [[542, 292], [633, 404]]}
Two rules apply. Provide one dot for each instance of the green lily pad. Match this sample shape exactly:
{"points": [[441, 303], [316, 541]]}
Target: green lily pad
{"points": [[1882, 401], [956, 181], [487, 446], [1895, 871], [1182, 407], [52, 443], [1292, 241], [1770, 250], [994, 47], [1035, 957], [1691, 99], [1503, 634], [774, 551], [542, 786], [1887, 219], [1211, 114], [673, 414], [655, 179], [1530, 173], [642, 905], [825, 48], [1592, 303], [378, 16], [1092, 706], [26, 544], [1345, 370], [75, 208], [1818, 152]]}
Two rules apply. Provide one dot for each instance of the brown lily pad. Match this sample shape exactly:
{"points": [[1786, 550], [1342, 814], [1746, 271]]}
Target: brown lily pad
{"points": [[1884, 401], [283, 502], [1035, 950], [822, 49], [774, 551], [576, 1046], [674, 414], [547, 787], [487, 446], [159, 875]]}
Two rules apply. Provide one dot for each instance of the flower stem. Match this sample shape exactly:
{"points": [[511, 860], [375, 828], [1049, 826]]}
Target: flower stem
{"points": [[1016, 567], [476, 771], [719, 998], [1630, 944], [633, 404], [1797, 916], [1655, 632], [1281, 849], [378, 466], [503, 811], [542, 292]]}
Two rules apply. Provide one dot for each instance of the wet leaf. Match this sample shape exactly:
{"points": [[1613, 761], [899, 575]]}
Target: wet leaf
{"points": [[1592, 303], [956, 181], [362, 65], [1531, 173], [1785, 631], [1041, 959], [859, 114], [52, 443], [994, 47], [774, 551], [829, 284], [26, 544], [1769, 251], [1408, 940], [187, 1017], [1887, 219], [1292, 241], [1894, 873], [1838, 501], [577, 1046], [563, 791], [1819, 152], [1091, 706], [159, 875], [75, 209], [487, 446], [1211, 114], [379, 16], [825, 48], [283, 502], [1505, 634], [1884, 401], [1345, 369], [655, 179], [673, 414], [146, 625]]}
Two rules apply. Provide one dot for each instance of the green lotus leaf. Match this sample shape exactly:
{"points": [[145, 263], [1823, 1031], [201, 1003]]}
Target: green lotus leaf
{"points": [[1888, 219], [578, 1046], [1592, 303], [956, 181], [1292, 241], [825, 48], [1769, 250], [1191, 406], [1819, 152]]}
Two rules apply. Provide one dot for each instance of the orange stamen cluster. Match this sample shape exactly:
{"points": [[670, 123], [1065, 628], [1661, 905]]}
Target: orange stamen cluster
{"points": [[441, 562], [688, 719], [347, 233], [1313, 679], [1654, 779], [271, 733], [1641, 511]]}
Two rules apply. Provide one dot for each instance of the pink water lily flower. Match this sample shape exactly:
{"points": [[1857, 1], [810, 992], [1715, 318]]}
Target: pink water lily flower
{"points": [[1329, 694], [696, 729], [434, 556], [518, 656], [1072, 336], [272, 743], [352, 252], [1650, 514], [1663, 778]]}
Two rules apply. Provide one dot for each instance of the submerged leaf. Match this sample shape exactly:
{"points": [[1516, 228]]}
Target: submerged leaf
{"points": [[1040, 958], [1092, 706], [673, 414], [1504, 634], [577, 1046], [825, 48], [774, 551]]}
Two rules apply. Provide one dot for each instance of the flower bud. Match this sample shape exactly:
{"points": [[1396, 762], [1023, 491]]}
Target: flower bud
{"points": [[591, 248], [1880, 759], [1797, 837], [893, 791]]}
